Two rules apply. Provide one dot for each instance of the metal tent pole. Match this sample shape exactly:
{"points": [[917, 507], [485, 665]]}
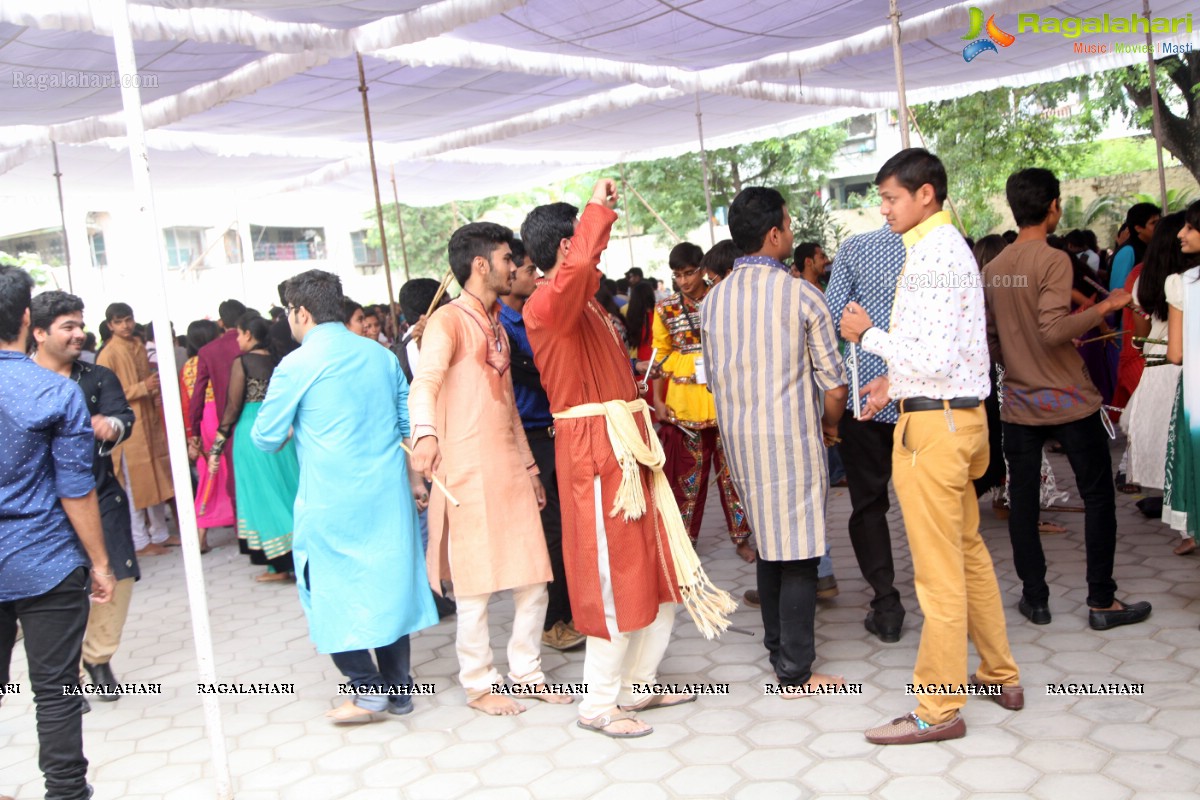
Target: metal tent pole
{"points": [[147, 225], [387, 262], [62, 215], [898, 57], [712, 236], [1154, 101]]}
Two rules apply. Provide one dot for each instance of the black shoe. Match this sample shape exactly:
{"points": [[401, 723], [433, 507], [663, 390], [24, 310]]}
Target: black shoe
{"points": [[104, 681], [887, 633], [400, 709], [1127, 614], [445, 606], [1037, 613]]}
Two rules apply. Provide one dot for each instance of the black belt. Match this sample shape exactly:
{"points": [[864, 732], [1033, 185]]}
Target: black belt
{"points": [[539, 433], [930, 404]]}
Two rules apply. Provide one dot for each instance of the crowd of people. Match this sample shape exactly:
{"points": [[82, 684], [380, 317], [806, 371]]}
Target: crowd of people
{"points": [[549, 433]]}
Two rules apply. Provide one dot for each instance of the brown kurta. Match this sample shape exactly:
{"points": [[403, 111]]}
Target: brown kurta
{"points": [[463, 391], [582, 360], [145, 451]]}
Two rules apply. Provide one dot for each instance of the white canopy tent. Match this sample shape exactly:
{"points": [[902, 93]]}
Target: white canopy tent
{"points": [[469, 98], [472, 98]]}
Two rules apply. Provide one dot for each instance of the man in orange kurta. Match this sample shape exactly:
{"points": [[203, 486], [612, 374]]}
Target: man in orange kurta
{"points": [[468, 433], [619, 570], [142, 462]]}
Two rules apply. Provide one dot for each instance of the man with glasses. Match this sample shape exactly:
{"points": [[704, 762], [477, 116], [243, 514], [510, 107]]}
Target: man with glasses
{"points": [[689, 434]]}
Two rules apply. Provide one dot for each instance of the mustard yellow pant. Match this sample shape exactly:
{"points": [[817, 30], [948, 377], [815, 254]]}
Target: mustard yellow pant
{"points": [[933, 464]]}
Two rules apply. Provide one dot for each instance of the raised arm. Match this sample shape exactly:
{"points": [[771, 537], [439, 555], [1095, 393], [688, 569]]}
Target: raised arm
{"points": [[561, 302], [113, 405], [1055, 321]]}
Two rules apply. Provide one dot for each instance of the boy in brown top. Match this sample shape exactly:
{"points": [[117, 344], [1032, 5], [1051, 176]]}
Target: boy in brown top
{"points": [[1049, 394]]}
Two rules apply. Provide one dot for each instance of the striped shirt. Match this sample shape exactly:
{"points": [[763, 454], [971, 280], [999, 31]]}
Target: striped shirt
{"points": [[771, 350]]}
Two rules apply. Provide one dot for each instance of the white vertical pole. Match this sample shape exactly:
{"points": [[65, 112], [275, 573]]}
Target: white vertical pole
{"points": [[898, 58], [1154, 101], [146, 225], [712, 236]]}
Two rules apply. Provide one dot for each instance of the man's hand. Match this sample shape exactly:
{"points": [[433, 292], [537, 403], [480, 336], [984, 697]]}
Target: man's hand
{"points": [[1117, 298], [874, 397], [102, 429], [418, 327], [153, 383], [660, 411], [855, 322], [539, 491], [427, 457], [605, 193], [420, 494], [193, 450], [829, 433], [103, 584]]}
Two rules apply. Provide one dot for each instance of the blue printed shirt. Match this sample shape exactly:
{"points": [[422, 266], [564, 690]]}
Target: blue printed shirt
{"points": [[46, 454], [532, 404], [867, 270]]}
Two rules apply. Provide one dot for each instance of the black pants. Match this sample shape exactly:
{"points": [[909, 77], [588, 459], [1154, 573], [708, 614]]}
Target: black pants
{"points": [[867, 455], [559, 609], [393, 670], [54, 624], [1085, 443], [788, 593]]}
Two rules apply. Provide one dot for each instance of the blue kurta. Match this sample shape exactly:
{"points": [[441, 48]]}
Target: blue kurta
{"points": [[357, 546]]}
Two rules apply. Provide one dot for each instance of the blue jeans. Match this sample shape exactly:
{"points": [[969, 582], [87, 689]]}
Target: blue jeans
{"points": [[825, 565], [378, 684]]}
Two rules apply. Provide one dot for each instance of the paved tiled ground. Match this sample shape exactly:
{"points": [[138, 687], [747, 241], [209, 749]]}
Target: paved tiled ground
{"points": [[743, 745]]}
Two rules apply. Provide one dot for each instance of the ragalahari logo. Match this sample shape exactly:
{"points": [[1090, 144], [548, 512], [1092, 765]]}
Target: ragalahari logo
{"points": [[995, 36]]}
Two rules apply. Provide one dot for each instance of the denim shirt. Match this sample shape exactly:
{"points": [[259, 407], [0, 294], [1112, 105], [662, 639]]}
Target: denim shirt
{"points": [[46, 454]]}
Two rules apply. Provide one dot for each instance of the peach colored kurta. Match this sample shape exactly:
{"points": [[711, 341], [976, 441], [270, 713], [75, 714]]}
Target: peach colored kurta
{"points": [[463, 391]]}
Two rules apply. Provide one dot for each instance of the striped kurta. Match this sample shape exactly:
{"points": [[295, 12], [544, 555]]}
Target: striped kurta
{"points": [[771, 351]]}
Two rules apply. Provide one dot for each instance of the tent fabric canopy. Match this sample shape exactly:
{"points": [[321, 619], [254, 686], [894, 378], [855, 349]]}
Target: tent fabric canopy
{"points": [[471, 98]]}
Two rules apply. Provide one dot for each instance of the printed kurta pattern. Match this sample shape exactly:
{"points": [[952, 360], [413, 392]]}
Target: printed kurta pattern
{"points": [[463, 390]]}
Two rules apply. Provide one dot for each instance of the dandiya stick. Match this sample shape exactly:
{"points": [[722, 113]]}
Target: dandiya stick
{"points": [[1100, 288], [208, 489], [649, 367], [1101, 338], [854, 388], [437, 298], [441, 486]]}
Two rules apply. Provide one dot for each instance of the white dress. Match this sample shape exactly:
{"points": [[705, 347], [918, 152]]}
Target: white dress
{"points": [[1147, 416]]}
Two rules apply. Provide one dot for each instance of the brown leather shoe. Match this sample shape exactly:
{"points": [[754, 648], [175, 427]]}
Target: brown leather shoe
{"points": [[1010, 697], [1185, 546], [750, 598], [910, 729], [563, 636]]}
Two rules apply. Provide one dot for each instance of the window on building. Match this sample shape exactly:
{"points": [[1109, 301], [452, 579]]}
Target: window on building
{"points": [[184, 245], [99, 253], [287, 244], [46, 244], [364, 254]]}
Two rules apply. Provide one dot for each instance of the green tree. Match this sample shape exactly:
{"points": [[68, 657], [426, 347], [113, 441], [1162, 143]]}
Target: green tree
{"points": [[30, 262], [796, 165], [1126, 91], [985, 137]]}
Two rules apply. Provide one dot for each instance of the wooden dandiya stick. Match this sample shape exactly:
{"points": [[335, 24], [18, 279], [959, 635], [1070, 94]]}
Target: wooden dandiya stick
{"points": [[1100, 288], [441, 486], [437, 298], [1148, 340], [1102, 337]]}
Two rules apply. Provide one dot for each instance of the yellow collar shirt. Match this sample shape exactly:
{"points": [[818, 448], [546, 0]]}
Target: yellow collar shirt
{"points": [[937, 342]]}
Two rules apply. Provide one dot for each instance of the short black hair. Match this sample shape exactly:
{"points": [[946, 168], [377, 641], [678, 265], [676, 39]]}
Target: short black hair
{"points": [[1140, 213], [117, 311], [912, 169], [518, 250], [199, 333], [1030, 194], [752, 215], [685, 254], [16, 291], [544, 228], [804, 250], [282, 289], [988, 248], [348, 309], [415, 297], [632, 271], [49, 306], [319, 292], [230, 312], [720, 257], [473, 240], [372, 311]]}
